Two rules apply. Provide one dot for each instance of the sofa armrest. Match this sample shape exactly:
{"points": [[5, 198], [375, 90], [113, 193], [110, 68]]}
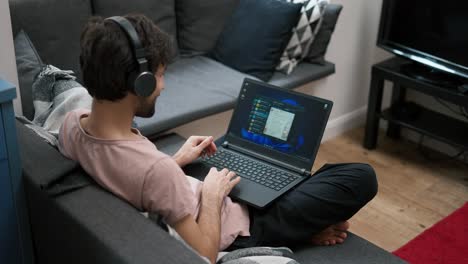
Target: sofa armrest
{"points": [[84, 223], [90, 225]]}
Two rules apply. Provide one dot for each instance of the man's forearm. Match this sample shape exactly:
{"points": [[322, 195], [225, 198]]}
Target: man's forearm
{"points": [[209, 221], [178, 159]]}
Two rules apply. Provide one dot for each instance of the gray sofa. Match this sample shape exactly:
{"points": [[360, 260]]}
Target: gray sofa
{"points": [[72, 219], [208, 86]]}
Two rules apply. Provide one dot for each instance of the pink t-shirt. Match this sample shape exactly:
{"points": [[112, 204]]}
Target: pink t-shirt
{"points": [[150, 180]]}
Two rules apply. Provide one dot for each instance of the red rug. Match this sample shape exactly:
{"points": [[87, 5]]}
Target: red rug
{"points": [[445, 242]]}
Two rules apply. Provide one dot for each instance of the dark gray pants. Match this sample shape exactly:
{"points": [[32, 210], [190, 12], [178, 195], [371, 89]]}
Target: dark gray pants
{"points": [[332, 195]]}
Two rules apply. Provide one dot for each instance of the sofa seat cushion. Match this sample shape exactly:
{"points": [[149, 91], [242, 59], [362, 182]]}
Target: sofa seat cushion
{"points": [[194, 88], [302, 74], [354, 250]]}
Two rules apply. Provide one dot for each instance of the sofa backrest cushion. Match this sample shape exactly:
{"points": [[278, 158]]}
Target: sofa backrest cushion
{"points": [[319, 47], [303, 34], [162, 12], [54, 26], [29, 64], [255, 36], [199, 22]]}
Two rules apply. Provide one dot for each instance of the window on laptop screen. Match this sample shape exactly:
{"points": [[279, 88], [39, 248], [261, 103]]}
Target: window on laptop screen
{"points": [[279, 122], [271, 120]]}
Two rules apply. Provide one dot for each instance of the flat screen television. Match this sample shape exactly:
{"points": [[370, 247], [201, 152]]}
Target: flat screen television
{"points": [[430, 32]]}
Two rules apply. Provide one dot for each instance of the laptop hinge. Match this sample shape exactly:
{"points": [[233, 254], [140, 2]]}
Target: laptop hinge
{"points": [[301, 171]]}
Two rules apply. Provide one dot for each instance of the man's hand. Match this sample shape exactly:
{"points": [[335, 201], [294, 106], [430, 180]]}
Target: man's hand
{"points": [[194, 147], [217, 185], [204, 235]]}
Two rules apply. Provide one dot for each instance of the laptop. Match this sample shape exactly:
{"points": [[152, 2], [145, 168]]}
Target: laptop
{"points": [[272, 141]]}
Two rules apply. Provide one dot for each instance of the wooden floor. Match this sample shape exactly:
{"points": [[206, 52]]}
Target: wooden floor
{"points": [[414, 192]]}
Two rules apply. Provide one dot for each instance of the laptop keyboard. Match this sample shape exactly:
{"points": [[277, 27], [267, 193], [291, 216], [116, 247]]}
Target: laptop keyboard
{"points": [[258, 172]]}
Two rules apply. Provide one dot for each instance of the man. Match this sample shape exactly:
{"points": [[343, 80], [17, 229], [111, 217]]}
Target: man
{"points": [[121, 160]]}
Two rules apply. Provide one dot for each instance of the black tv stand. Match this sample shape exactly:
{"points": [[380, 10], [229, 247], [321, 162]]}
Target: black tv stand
{"points": [[431, 75], [412, 115]]}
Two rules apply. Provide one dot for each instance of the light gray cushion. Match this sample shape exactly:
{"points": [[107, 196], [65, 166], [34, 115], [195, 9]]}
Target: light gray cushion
{"points": [[28, 64], [162, 12], [54, 26], [194, 88], [353, 250], [302, 74], [201, 21], [319, 46]]}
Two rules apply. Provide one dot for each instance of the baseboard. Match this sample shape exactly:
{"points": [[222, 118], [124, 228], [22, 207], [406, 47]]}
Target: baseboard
{"points": [[341, 124]]}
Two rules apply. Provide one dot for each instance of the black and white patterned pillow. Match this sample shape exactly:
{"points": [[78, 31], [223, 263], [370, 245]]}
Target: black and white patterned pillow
{"points": [[303, 34]]}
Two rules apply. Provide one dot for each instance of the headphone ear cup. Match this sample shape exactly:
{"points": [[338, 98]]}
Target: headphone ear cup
{"points": [[144, 84]]}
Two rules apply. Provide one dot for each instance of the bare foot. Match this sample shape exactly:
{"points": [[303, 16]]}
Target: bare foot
{"points": [[334, 234]]}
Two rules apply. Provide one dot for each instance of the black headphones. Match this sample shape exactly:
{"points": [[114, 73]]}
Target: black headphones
{"points": [[141, 81]]}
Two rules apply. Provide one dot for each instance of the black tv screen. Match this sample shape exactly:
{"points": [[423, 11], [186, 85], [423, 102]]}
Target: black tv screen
{"points": [[431, 32]]}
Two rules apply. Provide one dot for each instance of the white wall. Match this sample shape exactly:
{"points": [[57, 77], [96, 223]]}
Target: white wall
{"points": [[353, 50], [7, 52]]}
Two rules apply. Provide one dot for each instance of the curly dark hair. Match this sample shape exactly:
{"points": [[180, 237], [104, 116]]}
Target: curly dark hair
{"points": [[107, 58]]}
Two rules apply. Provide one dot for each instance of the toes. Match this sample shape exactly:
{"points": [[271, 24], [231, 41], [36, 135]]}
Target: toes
{"points": [[339, 240], [333, 235], [343, 235], [345, 225], [342, 226]]}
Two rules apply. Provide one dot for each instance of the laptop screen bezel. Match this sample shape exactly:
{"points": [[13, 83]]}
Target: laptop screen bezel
{"points": [[293, 160]]}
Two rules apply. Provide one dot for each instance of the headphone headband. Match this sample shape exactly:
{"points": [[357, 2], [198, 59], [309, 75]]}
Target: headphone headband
{"points": [[132, 35], [144, 82]]}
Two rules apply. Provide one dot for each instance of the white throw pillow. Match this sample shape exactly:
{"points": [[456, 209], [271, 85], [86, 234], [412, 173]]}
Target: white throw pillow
{"points": [[303, 34]]}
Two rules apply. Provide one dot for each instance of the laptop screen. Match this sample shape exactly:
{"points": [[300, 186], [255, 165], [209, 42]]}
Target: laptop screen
{"points": [[281, 124]]}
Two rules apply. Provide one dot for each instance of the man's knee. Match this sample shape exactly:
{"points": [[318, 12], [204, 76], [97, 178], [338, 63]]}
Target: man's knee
{"points": [[368, 182]]}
